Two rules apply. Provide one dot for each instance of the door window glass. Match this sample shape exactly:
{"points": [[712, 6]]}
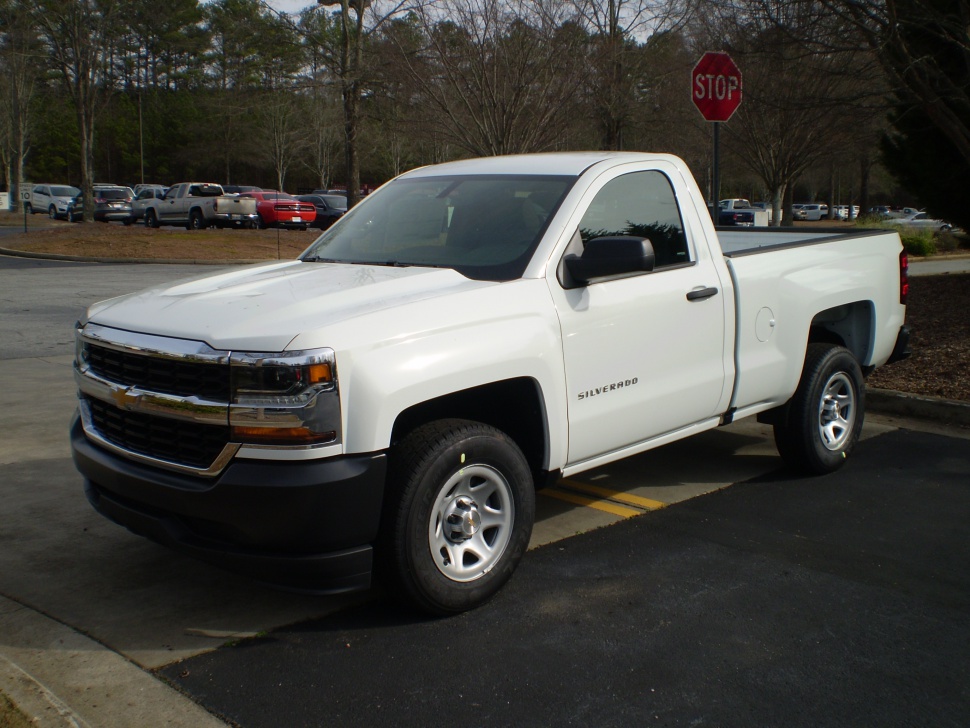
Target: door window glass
{"points": [[640, 204]]}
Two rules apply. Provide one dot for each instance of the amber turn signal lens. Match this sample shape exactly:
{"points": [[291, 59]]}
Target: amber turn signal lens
{"points": [[281, 435]]}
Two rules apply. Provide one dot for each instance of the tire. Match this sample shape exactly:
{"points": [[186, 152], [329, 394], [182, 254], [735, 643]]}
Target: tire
{"points": [[460, 510], [151, 220], [28, 208], [259, 223], [127, 221], [52, 212], [825, 414], [196, 221]]}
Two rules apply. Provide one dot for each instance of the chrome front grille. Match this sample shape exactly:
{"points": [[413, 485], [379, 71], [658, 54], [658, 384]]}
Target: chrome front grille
{"points": [[155, 399], [209, 381], [159, 438]]}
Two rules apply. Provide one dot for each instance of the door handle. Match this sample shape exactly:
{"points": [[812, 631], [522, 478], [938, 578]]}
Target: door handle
{"points": [[701, 294]]}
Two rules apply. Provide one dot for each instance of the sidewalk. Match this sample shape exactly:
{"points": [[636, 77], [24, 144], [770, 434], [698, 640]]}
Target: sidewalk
{"points": [[55, 674]]}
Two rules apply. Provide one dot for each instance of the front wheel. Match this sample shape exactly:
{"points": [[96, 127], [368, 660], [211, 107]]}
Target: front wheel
{"points": [[460, 515], [151, 219], [825, 414], [28, 208], [52, 212]]}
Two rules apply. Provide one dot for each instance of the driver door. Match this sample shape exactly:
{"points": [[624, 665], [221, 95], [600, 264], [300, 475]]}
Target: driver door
{"points": [[641, 358]]}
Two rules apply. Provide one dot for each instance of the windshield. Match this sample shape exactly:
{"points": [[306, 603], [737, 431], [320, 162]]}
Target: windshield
{"points": [[65, 191], [485, 227]]}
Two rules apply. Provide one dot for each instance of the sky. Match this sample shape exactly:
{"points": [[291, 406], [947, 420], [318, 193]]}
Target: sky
{"points": [[290, 6]]}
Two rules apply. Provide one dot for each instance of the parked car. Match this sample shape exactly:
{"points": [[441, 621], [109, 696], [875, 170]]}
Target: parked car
{"points": [[52, 199], [393, 397], [846, 212], [922, 221], [810, 211], [143, 199], [112, 203], [739, 212], [278, 209], [330, 208], [198, 205]]}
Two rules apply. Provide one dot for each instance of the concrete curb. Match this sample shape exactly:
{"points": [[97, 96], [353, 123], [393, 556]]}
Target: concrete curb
{"points": [[921, 407], [61, 678], [124, 261]]}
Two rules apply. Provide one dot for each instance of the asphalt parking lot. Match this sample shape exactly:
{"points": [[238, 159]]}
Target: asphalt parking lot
{"points": [[776, 601]]}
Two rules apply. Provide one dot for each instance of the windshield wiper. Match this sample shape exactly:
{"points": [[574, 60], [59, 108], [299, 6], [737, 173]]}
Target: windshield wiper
{"points": [[318, 259]]}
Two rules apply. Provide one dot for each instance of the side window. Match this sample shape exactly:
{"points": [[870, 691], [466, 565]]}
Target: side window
{"points": [[640, 204]]}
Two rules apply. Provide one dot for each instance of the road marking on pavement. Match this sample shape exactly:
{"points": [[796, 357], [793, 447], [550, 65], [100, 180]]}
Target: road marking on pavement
{"points": [[609, 501]]}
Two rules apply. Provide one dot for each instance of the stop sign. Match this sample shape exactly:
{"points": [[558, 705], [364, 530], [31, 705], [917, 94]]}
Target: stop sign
{"points": [[716, 86]]}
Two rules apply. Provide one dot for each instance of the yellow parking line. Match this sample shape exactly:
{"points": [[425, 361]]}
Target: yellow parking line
{"points": [[600, 505], [636, 500]]}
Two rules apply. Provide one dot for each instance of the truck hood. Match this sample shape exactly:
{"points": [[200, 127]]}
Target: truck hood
{"points": [[262, 308]]}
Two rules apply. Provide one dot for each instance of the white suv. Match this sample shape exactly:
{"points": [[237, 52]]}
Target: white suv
{"points": [[51, 199], [811, 211]]}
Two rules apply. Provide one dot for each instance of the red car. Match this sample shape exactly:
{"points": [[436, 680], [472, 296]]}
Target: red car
{"points": [[278, 209]]}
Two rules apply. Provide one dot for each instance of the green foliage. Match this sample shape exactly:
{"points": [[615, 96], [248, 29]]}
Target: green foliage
{"points": [[929, 51], [921, 243]]}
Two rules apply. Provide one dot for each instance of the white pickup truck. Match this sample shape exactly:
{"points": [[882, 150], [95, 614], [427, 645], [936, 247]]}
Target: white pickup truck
{"points": [[197, 205], [469, 333]]}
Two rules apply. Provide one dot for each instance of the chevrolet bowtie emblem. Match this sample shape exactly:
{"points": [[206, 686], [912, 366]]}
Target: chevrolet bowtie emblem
{"points": [[124, 398]]}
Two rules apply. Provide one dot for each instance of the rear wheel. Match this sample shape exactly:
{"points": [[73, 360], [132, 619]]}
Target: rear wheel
{"points": [[459, 515], [825, 414], [196, 220]]}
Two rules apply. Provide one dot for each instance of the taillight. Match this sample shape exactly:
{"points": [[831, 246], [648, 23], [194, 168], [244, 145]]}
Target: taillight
{"points": [[903, 277]]}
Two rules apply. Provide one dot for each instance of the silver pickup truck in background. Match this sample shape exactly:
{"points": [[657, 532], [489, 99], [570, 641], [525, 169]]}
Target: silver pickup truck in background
{"points": [[197, 205]]}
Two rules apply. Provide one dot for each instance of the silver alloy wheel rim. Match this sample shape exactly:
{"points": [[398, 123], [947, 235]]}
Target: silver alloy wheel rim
{"points": [[471, 523], [836, 411]]}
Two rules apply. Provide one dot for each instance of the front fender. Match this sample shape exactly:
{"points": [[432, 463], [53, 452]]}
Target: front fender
{"points": [[447, 345]]}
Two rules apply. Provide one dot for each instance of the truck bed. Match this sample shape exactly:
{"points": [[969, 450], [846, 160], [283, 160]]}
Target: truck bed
{"points": [[735, 242]]}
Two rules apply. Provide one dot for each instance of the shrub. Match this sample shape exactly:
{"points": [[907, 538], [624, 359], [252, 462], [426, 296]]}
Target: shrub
{"points": [[945, 242], [920, 243]]}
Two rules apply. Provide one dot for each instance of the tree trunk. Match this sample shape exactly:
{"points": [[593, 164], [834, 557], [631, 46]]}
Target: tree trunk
{"points": [[351, 96]]}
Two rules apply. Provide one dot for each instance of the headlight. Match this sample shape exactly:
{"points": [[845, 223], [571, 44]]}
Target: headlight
{"points": [[288, 398]]}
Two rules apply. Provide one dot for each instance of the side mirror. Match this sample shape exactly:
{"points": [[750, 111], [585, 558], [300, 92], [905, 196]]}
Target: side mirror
{"points": [[611, 256]]}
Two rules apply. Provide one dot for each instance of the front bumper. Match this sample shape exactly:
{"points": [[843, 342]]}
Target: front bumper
{"points": [[305, 525]]}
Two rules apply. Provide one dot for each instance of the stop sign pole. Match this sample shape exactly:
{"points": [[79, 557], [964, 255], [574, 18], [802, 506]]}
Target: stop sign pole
{"points": [[716, 92]]}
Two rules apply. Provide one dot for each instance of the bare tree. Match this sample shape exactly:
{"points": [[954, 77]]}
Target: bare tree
{"points": [[20, 61], [800, 105], [500, 76], [321, 134], [619, 65], [920, 43], [79, 34], [340, 40]]}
